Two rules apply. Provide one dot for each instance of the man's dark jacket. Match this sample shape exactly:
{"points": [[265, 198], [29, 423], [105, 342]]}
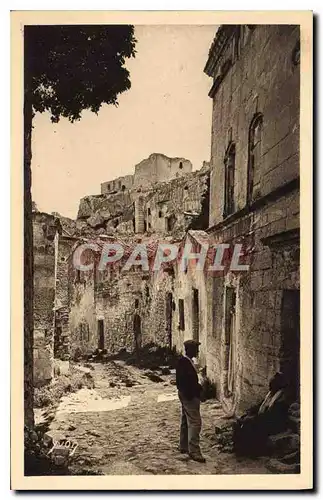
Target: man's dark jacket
{"points": [[187, 380]]}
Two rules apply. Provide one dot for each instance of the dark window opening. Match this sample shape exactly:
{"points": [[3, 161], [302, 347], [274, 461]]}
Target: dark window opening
{"points": [[101, 334], [181, 314], [148, 211], [180, 165], [123, 187], [78, 276], [136, 303], [254, 155], [160, 214], [185, 188], [109, 187], [229, 165], [149, 225]]}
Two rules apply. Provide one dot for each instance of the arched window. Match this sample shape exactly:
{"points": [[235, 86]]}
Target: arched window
{"points": [[229, 167], [254, 155]]}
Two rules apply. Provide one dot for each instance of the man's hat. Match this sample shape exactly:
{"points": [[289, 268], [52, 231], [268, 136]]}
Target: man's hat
{"points": [[192, 343]]}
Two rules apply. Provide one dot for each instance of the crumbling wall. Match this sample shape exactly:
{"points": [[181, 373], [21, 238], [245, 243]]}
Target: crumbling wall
{"points": [[155, 320], [44, 230], [64, 247], [82, 315], [263, 79], [118, 184]]}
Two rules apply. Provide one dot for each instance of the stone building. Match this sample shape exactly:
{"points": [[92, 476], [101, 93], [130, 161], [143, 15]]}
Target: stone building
{"points": [[111, 309], [253, 325], [45, 228], [156, 168]]}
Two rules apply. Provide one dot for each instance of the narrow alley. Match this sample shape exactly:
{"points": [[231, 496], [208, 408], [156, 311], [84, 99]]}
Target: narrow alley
{"points": [[129, 424]]}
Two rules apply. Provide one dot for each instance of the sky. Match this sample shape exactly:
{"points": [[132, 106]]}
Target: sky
{"points": [[167, 110]]}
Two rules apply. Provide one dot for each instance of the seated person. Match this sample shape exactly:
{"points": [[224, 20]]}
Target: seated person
{"points": [[250, 432]]}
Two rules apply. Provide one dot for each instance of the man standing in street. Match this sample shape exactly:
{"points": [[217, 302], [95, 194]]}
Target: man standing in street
{"points": [[189, 393]]}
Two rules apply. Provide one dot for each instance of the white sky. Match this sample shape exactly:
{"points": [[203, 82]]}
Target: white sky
{"points": [[167, 110]]}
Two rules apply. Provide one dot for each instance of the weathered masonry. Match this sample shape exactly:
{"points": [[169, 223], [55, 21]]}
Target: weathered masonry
{"points": [[254, 200], [156, 168], [112, 310]]}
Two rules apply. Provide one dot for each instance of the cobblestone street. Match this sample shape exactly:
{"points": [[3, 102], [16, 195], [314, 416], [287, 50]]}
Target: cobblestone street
{"points": [[122, 428]]}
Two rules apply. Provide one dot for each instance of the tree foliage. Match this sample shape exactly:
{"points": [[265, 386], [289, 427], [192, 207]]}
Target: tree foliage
{"points": [[70, 68]]}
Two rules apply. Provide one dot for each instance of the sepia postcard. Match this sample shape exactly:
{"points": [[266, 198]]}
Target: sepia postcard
{"points": [[161, 250]]}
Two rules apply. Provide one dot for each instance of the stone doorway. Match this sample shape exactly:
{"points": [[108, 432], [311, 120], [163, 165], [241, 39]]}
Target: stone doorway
{"points": [[196, 315], [290, 340], [100, 334]]}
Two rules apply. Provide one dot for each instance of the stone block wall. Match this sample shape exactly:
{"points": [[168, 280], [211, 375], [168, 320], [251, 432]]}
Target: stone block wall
{"points": [[63, 272], [82, 313], [186, 282], [44, 230], [254, 72], [160, 168], [262, 79]]}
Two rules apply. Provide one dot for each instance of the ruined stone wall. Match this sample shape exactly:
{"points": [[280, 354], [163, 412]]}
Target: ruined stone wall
{"points": [[262, 79], [168, 207], [64, 248], [44, 230], [165, 207]]}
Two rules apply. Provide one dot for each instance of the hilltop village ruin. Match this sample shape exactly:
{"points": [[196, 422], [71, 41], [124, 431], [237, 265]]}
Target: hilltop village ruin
{"points": [[248, 193]]}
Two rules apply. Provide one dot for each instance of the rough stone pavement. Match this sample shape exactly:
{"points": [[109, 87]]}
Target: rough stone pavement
{"points": [[134, 430]]}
